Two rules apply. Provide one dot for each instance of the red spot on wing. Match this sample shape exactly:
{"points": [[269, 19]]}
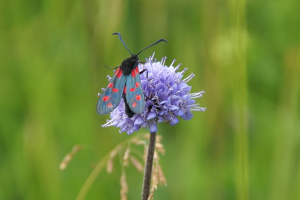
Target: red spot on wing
{"points": [[125, 90], [137, 84], [132, 89], [115, 90], [138, 97], [109, 105], [110, 85], [133, 73], [137, 70], [134, 104], [118, 73], [105, 98]]}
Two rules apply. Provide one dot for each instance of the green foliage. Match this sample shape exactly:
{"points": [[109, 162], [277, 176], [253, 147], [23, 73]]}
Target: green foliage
{"points": [[245, 55]]}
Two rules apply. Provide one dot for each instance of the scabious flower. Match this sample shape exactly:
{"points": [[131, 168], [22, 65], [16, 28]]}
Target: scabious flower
{"points": [[167, 98]]}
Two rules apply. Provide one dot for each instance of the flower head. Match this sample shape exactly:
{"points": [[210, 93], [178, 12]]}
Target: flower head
{"points": [[167, 98]]}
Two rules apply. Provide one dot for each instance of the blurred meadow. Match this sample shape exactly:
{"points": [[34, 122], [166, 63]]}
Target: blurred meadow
{"points": [[245, 55]]}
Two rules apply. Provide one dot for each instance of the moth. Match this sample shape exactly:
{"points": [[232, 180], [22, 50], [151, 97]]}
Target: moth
{"points": [[125, 84]]}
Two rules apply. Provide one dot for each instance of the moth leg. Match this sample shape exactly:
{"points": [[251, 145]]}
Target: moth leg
{"points": [[147, 97], [144, 71], [146, 75], [110, 67]]}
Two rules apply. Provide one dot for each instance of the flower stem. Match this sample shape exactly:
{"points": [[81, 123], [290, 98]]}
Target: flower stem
{"points": [[148, 167]]}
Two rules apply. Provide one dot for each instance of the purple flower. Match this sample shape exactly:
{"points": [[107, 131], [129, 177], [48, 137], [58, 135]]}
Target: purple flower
{"points": [[167, 98]]}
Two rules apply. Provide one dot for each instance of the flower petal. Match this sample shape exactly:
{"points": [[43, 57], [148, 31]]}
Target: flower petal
{"points": [[151, 115], [152, 127], [174, 121], [187, 116], [139, 121]]}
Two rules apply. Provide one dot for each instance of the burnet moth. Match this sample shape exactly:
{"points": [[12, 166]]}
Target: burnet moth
{"points": [[125, 83]]}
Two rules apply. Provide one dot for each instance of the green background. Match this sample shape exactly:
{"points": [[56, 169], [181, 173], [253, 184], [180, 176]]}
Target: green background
{"points": [[245, 55]]}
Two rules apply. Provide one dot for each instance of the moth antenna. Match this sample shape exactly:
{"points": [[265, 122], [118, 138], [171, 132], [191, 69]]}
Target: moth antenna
{"points": [[110, 67], [158, 41], [122, 41]]}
